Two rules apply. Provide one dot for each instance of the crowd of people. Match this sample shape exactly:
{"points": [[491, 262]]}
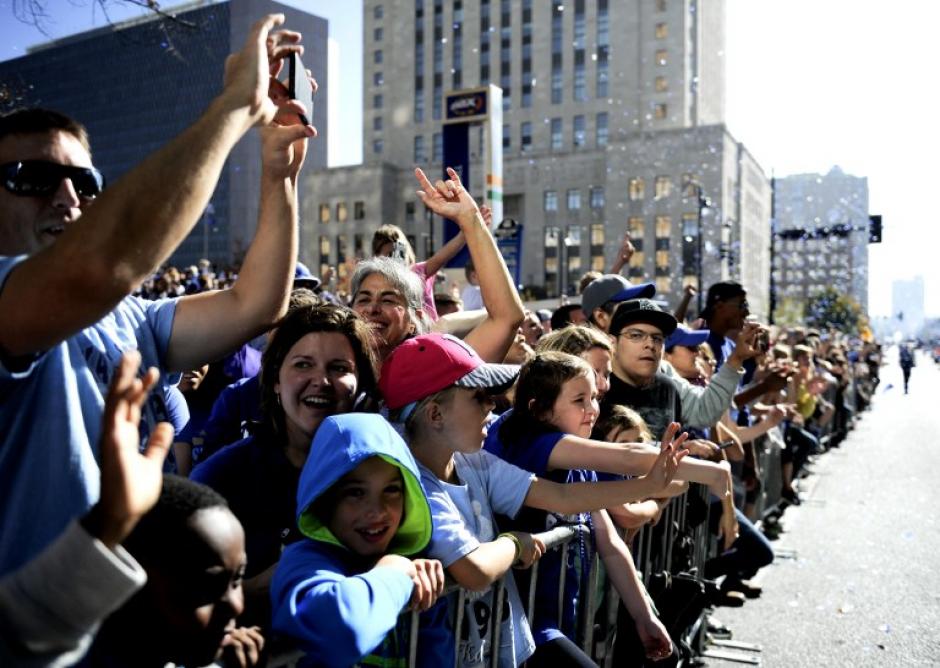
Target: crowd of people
{"points": [[204, 464]]}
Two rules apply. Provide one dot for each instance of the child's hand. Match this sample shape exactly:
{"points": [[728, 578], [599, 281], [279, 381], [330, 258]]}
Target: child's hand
{"points": [[667, 463], [130, 480], [656, 641], [532, 549], [429, 583], [242, 647]]}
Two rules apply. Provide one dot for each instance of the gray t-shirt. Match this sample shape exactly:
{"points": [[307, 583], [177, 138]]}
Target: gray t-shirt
{"points": [[463, 517]]}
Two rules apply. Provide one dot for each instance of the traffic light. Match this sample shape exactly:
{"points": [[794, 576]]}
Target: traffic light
{"points": [[874, 229]]}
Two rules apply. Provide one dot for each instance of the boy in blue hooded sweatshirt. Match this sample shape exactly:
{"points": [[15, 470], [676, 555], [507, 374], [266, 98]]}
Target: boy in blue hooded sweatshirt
{"points": [[362, 508]]}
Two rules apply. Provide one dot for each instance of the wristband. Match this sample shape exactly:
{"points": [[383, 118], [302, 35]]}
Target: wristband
{"points": [[515, 540]]}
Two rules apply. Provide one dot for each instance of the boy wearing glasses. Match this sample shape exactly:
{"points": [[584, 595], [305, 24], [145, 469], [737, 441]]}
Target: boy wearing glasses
{"points": [[67, 268]]}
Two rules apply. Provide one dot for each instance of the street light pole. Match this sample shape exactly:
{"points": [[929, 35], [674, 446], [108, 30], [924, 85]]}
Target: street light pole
{"points": [[703, 203]]}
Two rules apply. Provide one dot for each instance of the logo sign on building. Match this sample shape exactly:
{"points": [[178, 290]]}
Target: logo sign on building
{"points": [[466, 106]]}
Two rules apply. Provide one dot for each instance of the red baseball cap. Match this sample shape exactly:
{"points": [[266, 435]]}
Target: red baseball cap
{"points": [[423, 365]]}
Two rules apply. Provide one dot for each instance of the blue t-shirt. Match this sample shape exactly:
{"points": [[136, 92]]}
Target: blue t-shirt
{"points": [[464, 517], [532, 454], [722, 348], [50, 410]]}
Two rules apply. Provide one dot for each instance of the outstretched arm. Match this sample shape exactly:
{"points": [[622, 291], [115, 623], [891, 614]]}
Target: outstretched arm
{"points": [[138, 222], [493, 337]]}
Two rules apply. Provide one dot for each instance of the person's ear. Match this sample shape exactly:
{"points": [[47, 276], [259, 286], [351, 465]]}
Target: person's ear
{"points": [[434, 414], [602, 318]]}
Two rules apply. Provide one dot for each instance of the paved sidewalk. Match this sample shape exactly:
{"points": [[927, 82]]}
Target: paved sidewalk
{"points": [[860, 581]]}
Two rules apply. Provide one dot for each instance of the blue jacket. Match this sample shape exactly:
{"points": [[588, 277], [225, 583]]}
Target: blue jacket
{"points": [[340, 611]]}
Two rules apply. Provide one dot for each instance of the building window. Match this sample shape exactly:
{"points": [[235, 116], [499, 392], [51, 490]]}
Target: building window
{"points": [[507, 137], [636, 189], [409, 211], [324, 254], [600, 137], [663, 187], [689, 185], [557, 141], [550, 199], [597, 197], [359, 210], [597, 247], [420, 157], [580, 85], [437, 147], [662, 31], [378, 12], [557, 86], [660, 111], [636, 264], [377, 101], [342, 213], [662, 84], [525, 142], [377, 56], [557, 34], [603, 71], [574, 199], [661, 56], [377, 146], [579, 132], [377, 79], [419, 106], [377, 123], [663, 285], [663, 229], [324, 213], [378, 34]]}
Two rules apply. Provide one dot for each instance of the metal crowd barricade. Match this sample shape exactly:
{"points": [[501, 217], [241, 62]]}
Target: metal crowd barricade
{"points": [[557, 538]]}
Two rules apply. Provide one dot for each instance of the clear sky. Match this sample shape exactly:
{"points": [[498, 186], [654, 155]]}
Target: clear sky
{"points": [[811, 84]]}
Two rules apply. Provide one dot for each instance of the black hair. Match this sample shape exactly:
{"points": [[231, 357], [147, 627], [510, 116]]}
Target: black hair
{"points": [[158, 533], [562, 316]]}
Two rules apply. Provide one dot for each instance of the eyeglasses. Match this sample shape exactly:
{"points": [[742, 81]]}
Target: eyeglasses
{"points": [[37, 178], [638, 336]]}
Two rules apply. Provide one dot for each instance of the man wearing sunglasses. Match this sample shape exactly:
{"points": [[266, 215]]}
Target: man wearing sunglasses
{"points": [[71, 253]]}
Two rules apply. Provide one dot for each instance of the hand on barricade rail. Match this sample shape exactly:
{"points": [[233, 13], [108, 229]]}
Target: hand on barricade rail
{"points": [[426, 574], [531, 549], [242, 647]]}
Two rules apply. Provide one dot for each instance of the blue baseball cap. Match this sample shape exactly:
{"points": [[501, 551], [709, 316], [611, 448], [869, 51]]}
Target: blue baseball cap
{"points": [[304, 279], [683, 336], [612, 288]]}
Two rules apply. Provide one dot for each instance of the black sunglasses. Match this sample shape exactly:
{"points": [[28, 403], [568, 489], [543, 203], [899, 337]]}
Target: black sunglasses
{"points": [[37, 178]]}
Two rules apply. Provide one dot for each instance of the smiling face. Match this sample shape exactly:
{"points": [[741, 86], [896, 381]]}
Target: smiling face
{"points": [[28, 224], [384, 307], [317, 379], [575, 410], [637, 356], [368, 504]]}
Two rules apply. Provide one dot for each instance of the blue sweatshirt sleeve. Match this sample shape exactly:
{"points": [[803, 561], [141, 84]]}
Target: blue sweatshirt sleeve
{"points": [[337, 619]]}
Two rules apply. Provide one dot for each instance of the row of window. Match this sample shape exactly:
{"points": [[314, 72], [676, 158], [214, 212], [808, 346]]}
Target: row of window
{"points": [[662, 187], [573, 199], [342, 212]]}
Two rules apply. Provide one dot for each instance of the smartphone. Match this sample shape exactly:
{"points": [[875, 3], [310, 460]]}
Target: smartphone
{"points": [[298, 85], [725, 444]]}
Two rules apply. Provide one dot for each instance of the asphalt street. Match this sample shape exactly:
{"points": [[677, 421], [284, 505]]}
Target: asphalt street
{"points": [[856, 579]]}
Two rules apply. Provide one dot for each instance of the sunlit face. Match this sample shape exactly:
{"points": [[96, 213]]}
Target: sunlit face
{"points": [[368, 506], [600, 361], [194, 603], [733, 311], [575, 410], [465, 415], [29, 224], [638, 361], [317, 379], [384, 307]]}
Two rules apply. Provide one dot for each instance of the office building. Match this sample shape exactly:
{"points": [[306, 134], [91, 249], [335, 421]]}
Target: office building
{"points": [[821, 240], [613, 121], [137, 84]]}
